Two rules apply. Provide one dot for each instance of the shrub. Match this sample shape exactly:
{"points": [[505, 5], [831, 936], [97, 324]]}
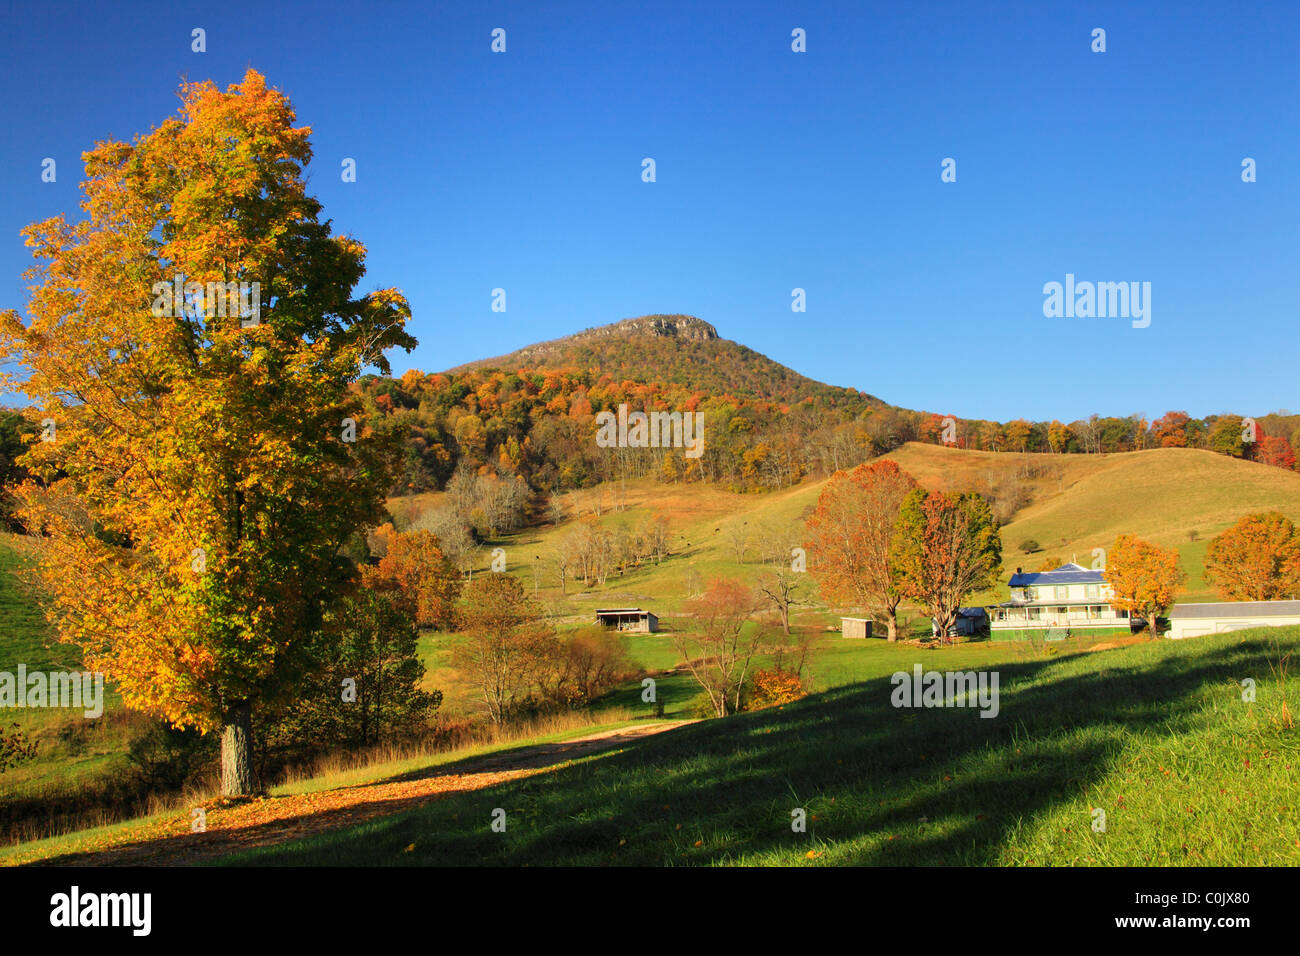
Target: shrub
{"points": [[1029, 546], [165, 758], [773, 687]]}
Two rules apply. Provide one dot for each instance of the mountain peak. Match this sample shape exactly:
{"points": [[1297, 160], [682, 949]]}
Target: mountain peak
{"points": [[679, 349]]}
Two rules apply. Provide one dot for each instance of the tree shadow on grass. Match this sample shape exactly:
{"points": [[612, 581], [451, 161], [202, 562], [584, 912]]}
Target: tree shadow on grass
{"points": [[948, 785], [473, 772]]}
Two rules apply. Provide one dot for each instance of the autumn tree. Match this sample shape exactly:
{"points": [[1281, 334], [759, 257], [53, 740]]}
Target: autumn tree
{"points": [[1276, 451], [1018, 434], [946, 546], [415, 567], [1170, 430], [192, 344], [1143, 578], [1058, 437], [1227, 436], [583, 664], [505, 645], [850, 537], [1257, 559], [720, 645]]}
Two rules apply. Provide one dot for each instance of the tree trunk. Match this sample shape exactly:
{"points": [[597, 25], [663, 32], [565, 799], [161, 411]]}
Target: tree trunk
{"points": [[891, 627], [237, 752]]}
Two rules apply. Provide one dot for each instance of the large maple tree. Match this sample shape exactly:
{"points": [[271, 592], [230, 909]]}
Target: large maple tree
{"points": [[946, 546], [850, 537], [198, 476]]}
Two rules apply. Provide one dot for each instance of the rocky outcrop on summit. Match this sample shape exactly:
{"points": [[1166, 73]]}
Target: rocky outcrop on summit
{"points": [[683, 328]]}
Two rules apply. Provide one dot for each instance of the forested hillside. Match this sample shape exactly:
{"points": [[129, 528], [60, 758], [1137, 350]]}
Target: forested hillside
{"points": [[532, 414]]}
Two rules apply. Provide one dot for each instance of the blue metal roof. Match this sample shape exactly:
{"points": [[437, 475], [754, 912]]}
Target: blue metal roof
{"points": [[1065, 574]]}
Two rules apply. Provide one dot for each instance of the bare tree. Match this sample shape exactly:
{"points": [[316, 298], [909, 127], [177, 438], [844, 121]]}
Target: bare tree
{"points": [[781, 588], [656, 533], [453, 535], [562, 558], [737, 535], [724, 643], [556, 511]]}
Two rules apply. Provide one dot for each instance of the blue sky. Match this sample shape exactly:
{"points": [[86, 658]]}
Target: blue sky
{"points": [[775, 170]]}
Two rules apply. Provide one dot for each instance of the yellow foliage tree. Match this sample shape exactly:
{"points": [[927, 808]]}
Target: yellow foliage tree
{"points": [[191, 347], [1143, 577]]}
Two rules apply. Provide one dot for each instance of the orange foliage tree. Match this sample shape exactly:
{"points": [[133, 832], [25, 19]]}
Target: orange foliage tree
{"points": [[1257, 559], [945, 547], [198, 476], [1143, 577], [1275, 450], [850, 533], [415, 567]]}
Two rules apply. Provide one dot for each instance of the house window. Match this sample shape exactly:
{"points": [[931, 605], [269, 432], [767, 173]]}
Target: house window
{"points": [[1092, 591], [1062, 593]]}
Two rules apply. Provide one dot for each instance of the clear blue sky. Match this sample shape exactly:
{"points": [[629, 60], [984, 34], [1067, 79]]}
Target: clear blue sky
{"points": [[775, 170]]}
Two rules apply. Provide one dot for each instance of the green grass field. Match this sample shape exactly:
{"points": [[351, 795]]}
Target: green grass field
{"points": [[1156, 735], [71, 751]]}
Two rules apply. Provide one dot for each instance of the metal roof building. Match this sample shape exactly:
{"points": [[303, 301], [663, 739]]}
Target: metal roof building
{"points": [[1065, 574], [627, 619], [1218, 617]]}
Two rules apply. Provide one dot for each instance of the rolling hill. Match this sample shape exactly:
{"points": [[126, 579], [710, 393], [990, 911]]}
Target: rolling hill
{"points": [[1175, 497]]}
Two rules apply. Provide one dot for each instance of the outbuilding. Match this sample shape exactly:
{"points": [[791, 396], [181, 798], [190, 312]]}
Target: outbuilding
{"points": [[1196, 620], [970, 621], [855, 626], [627, 619]]}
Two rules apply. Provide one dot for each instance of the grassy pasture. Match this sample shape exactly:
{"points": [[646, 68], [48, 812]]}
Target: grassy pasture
{"points": [[71, 751], [1156, 735]]}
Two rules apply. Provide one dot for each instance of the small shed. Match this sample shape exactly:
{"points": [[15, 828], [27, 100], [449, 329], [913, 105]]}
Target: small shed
{"points": [[627, 619], [855, 626], [970, 620], [1196, 620]]}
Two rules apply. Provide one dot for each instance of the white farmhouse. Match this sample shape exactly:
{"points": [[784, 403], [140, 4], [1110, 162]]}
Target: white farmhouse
{"points": [[1195, 620], [1070, 596]]}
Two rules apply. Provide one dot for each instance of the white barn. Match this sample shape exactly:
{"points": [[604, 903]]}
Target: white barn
{"points": [[1196, 620]]}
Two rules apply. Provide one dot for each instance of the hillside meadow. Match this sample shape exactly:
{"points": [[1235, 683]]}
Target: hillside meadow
{"points": [[1074, 503], [1143, 755]]}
